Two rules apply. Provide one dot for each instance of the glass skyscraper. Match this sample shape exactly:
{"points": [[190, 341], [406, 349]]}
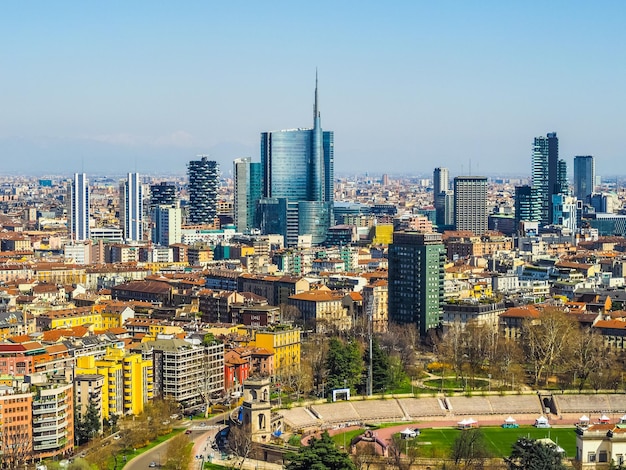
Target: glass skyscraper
{"points": [[247, 175], [549, 174], [298, 166], [584, 177]]}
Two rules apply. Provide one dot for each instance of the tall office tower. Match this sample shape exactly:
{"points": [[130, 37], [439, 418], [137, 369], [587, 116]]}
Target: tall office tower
{"points": [[79, 207], [549, 174], [247, 192], [416, 262], [166, 225], [526, 205], [584, 177], [203, 187], [441, 180], [442, 198], [298, 166], [470, 204], [565, 211], [162, 194], [131, 207]]}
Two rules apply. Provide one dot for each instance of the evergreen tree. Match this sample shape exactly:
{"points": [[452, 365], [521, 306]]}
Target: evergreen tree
{"points": [[344, 364], [381, 367], [320, 454], [530, 454], [87, 428]]}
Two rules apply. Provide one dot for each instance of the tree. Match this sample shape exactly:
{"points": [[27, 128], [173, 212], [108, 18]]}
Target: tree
{"points": [[89, 426], [15, 445], [547, 344], [530, 454], [79, 464], [314, 356], [178, 453], [469, 449], [344, 364], [589, 355], [381, 367], [320, 454], [240, 442], [403, 452]]}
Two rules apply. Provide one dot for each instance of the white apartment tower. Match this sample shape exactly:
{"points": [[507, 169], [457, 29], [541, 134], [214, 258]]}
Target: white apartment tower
{"points": [[131, 207], [79, 207]]}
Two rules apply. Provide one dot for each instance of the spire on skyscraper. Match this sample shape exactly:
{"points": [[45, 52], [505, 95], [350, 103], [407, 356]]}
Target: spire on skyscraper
{"points": [[316, 110]]}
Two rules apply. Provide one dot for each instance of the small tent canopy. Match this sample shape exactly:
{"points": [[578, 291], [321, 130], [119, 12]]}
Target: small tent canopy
{"points": [[466, 423], [408, 433], [622, 420], [541, 419], [584, 419], [604, 419], [510, 420]]}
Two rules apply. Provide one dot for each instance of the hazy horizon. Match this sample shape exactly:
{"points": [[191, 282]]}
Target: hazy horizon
{"points": [[406, 87]]}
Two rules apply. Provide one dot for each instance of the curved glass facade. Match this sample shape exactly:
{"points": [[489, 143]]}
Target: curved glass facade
{"points": [[297, 165]]}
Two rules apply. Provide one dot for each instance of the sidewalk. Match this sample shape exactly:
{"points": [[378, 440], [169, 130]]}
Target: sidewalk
{"points": [[202, 448]]}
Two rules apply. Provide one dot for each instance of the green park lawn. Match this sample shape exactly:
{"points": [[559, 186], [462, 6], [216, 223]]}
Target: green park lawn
{"points": [[437, 442], [498, 439]]}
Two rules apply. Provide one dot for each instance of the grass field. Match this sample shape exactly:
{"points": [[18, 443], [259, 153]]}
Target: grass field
{"points": [[499, 440], [437, 442]]}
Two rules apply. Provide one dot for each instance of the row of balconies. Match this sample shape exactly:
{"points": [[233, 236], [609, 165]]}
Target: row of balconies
{"points": [[50, 426], [49, 408]]}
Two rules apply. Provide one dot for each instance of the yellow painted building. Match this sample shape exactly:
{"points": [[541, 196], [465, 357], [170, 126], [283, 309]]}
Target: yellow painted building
{"points": [[283, 342], [381, 234], [128, 383], [69, 318]]}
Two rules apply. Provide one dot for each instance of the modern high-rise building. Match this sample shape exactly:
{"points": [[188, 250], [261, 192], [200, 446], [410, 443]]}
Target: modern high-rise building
{"points": [[298, 166], [203, 190], [566, 210], [443, 199], [415, 281], [584, 177], [247, 175], [549, 174], [162, 194], [166, 225], [470, 204], [441, 180], [131, 207], [79, 207], [526, 205]]}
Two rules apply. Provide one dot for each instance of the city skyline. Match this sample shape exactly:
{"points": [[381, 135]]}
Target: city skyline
{"points": [[406, 88]]}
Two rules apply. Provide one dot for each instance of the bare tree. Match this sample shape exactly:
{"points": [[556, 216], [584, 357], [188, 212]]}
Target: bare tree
{"points": [[240, 443], [469, 450], [589, 355], [365, 456], [16, 445], [450, 348], [547, 344], [402, 452]]}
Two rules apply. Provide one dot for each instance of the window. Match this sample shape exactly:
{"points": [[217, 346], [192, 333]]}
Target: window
{"points": [[591, 457]]}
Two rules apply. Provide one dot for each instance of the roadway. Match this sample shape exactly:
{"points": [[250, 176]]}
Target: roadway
{"points": [[158, 454]]}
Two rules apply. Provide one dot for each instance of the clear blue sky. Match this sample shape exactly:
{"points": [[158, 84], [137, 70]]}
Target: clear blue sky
{"points": [[120, 86]]}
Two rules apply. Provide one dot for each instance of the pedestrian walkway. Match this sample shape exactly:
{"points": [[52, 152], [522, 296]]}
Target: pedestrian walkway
{"points": [[204, 452]]}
